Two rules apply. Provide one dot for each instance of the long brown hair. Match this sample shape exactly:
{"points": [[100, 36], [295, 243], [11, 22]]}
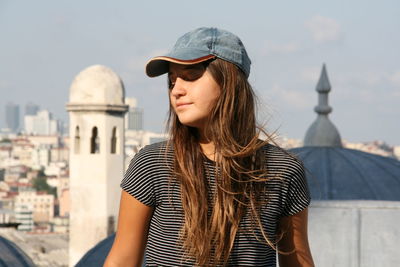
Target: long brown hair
{"points": [[210, 225]]}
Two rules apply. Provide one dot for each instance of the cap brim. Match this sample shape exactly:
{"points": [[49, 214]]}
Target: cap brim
{"points": [[160, 65]]}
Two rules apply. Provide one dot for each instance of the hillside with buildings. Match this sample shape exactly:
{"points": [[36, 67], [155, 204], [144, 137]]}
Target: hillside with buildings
{"points": [[34, 179]]}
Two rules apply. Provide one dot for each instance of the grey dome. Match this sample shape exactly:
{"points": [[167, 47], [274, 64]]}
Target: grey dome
{"points": [[97, 255], [12, 255], [322, 132], [335, 173]]}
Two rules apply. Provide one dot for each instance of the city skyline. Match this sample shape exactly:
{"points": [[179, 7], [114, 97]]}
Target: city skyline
{"points": [[45, 49]]}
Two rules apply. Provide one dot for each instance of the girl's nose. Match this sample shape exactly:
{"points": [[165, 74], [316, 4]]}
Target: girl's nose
{"points": [[179, 88]]}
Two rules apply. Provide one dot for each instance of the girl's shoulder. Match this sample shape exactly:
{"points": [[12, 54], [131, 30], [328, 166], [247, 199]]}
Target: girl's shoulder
{"points": [[160, 154], [156, 150], [279, 159]]}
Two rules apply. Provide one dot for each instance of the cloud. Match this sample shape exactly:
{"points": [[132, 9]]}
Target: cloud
{"points": [[371, 80], [4, 84], [133, 70], [324, 29], [363, 79], [157, 52], [311, 74], [274, 48], [377, 90], [293, 98], [138, 62], [395, 78]]}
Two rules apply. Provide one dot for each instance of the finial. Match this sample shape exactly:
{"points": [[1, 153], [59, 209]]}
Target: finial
{"points": [[323, 89], [322, 132], [323, 83]]}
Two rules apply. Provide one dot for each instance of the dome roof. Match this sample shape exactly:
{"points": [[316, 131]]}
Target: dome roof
{"points": [[335, 173], [12, 255], [97, 85], [322, 132], [97, 255]]}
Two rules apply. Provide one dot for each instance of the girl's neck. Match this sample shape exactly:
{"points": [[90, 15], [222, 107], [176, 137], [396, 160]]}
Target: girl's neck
{"points": [[208, 148]]}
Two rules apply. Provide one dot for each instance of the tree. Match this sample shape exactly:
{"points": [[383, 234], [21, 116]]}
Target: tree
{"points": [[5, 141], [40, 184]]}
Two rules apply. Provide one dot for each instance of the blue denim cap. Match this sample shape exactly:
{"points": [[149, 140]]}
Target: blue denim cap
{"points": [[201, 45]]}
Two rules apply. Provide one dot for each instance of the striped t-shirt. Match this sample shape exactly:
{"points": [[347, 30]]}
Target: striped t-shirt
{"points": [[148, 179]]}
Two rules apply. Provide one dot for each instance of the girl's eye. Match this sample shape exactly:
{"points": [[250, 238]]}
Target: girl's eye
{"points": [[171, 81], [190, 75], [171, 84], [193, 74]]}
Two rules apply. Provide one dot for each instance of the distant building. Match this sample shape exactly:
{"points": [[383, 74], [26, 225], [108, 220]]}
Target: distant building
{"points": [[64, 201], [40, 203], [15, 172], [7, 196], [7, 217], [134, 116], [40, 157], [396, 152], [22, 151], [135, 140], [374, 147], [48, 140], [24, 216], [58, 154], [12, 117], [5, 153], [41, 124], [135, 137], [34, 151], [31, 109], [60, 224]]}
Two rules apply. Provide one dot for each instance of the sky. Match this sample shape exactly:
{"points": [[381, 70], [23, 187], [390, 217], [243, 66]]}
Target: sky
{"points": [[45, 44]]}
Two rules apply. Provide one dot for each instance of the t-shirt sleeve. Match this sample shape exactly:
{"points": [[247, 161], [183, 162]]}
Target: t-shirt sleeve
{"points": [[138, 180], [298, 195]]}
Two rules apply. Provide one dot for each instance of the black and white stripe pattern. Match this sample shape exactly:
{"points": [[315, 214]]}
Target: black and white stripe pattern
{"points": [[148, 180]]}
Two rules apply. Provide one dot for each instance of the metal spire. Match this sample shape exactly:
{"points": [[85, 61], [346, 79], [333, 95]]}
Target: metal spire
{"points": [[323, 89], [322, 132]]}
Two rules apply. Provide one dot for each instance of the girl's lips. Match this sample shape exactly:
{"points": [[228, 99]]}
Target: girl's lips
{"points": [[181, 105]]}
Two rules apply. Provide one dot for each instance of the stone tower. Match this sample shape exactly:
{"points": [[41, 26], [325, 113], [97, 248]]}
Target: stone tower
{"points": [[96, 116]]}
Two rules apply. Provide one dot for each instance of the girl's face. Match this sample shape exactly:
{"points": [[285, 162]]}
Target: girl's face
{"points": [[193, 93]]}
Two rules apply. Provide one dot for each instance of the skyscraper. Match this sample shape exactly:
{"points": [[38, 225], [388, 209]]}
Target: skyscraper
{"points": [[134, 116], [12, 116], [41, 124], [31, 109]]}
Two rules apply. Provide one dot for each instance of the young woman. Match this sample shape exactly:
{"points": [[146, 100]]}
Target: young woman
{"points": [[214, 194]]}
